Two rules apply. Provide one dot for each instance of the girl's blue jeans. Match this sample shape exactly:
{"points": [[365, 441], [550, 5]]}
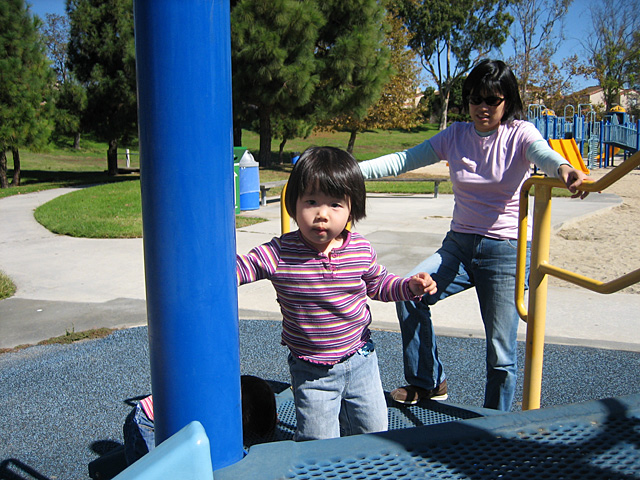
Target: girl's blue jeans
{"points": [[464, 261], [338, 400], [139, 435]]}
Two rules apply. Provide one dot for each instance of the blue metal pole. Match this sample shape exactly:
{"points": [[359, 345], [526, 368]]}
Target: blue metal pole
{"points": [[602, 144], [183, 59]]}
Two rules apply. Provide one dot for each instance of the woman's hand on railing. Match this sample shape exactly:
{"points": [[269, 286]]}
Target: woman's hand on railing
{"points": [[573, 178]]}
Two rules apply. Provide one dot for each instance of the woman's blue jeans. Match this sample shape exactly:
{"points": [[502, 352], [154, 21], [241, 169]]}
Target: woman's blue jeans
{"points": [[464, 261]]}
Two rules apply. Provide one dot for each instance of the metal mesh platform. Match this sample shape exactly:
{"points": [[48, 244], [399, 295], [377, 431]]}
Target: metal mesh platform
{"points": [[400, 416], [592, 440]]}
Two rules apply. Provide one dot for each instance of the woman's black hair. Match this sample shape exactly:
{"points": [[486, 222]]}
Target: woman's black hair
{"points": [[331, 171], [491, 77]]}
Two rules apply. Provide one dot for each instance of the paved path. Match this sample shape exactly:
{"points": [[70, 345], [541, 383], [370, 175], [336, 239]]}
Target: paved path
{"points": [[67, 284]]}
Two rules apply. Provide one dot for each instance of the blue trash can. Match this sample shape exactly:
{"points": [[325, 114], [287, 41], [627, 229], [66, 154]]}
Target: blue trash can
{"points": [[249, 183]]}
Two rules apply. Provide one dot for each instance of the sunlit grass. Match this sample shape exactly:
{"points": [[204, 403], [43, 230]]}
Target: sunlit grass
{"points": [[106, 211], [7, 287]]}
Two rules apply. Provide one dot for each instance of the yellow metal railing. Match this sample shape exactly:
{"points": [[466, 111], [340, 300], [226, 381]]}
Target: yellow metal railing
{"points": [[285, 218], [540, 268]]}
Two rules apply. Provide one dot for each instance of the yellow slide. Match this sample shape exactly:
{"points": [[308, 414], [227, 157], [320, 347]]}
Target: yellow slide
{"points": [[569, 150], [613, 151]]}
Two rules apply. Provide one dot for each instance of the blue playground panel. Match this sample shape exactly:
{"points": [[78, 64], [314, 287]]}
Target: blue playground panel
{"points": [[185, 454], [591, 440]]}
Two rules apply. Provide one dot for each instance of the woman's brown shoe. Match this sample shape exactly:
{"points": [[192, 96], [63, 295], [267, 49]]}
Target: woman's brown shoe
{"points": [[410, 395]]}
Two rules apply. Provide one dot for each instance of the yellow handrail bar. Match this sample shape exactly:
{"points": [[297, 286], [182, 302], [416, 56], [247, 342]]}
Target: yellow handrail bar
{"points": [[535, 315], [285, 218]]}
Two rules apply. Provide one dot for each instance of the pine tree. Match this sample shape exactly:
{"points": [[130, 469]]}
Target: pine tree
{"points": [[102, 57], [70, 95], [305, 61], [394, 108], [25, 92], [353, 60], [272, 60]]}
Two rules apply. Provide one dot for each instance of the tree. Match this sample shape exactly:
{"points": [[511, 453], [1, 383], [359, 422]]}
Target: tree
{"points": [[25, 76], [70, 95], [288, 127], [553, 81], [55, 31], [394, 109], [451, 37], [634, 66], [309, 60], [535, 36], [613, 49], [102, 57], [272, 60], [71, 103], [353, 61]]}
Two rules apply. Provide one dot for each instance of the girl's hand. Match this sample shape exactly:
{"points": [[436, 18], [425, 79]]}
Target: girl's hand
{"points": [[422, 283], [573, 178]]}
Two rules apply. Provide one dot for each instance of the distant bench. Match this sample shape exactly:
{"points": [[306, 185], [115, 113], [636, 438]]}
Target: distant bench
{"points": [[436, 181], [266, 186]]}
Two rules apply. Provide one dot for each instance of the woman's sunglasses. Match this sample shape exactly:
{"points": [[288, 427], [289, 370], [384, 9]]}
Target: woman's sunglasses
{"points": [[492, 101]]}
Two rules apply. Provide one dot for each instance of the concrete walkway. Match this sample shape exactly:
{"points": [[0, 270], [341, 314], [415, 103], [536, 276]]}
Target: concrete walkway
{"points": [[67, 284]]}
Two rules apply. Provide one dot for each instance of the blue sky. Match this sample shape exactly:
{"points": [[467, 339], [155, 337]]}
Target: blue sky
{"points": [[576, 30], [577, 26], [40, 7]]}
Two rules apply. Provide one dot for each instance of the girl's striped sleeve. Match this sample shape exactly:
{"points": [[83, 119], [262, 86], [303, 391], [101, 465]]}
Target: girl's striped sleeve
{"points": [[260, 263]]}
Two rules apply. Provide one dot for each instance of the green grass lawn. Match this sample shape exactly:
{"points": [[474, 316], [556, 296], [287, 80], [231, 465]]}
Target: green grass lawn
{"points": [[112, 210]]}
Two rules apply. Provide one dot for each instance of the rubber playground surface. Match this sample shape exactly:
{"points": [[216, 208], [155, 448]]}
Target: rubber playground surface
{"points": [[64, 406]]}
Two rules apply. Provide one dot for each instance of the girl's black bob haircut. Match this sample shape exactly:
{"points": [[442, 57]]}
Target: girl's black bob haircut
{"points": [[331, 171], [494, 77]]}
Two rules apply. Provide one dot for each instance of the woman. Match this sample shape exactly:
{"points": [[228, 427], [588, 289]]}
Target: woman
{"points": [[489, 160]]}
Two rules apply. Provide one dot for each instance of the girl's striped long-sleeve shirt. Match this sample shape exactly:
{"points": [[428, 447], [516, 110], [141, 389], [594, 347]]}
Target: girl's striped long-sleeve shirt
{"points": [[323, 298]]}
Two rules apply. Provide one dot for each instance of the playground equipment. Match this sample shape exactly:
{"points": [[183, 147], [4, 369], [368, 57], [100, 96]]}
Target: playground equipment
{"points": [[569, 150], [184, 98], [602, 139], [619, 131], [589, 441], [183, 58]]}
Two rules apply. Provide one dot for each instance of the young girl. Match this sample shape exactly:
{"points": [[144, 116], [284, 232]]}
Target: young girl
{"points": [[323, 274]]}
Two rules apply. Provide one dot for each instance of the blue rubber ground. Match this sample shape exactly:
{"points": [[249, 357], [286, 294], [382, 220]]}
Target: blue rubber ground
{"points": [[63, 406]]}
